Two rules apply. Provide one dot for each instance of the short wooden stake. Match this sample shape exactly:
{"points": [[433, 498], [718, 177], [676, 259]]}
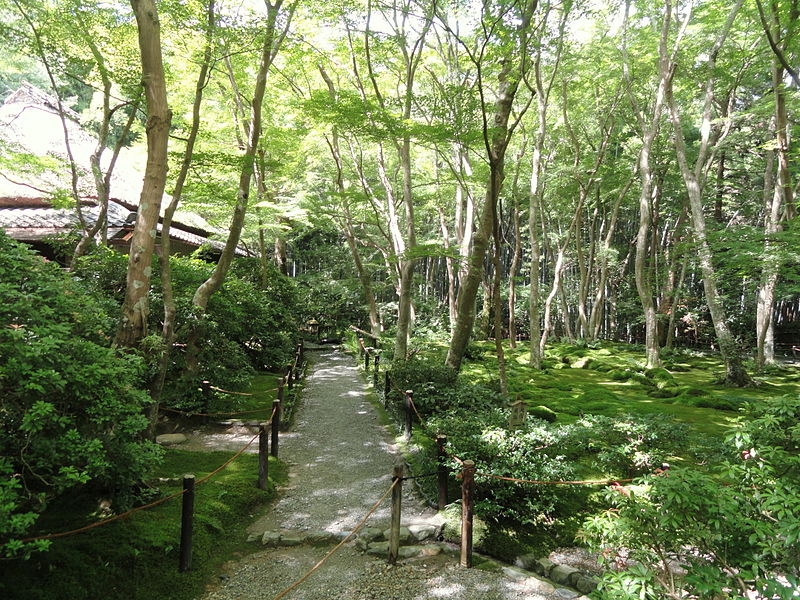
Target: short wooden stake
{"points": [[263, 453], [467, 493], [387, 385], [206, 387], [187, 514], [289, 377], [281, 390], [375, 372], [441, 442], [397, 499], [409, 416], [361, 347], [366, 359], [276, 423]]}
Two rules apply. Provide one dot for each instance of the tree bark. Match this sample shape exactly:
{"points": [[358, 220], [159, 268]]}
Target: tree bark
{"points": [[133, 326]]}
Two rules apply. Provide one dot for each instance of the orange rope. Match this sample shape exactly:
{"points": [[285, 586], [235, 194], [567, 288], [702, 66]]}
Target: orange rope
{"points": [[339, 545], [214, 414], [416, 412], [51, 536], [591, 481], [218, 389]]}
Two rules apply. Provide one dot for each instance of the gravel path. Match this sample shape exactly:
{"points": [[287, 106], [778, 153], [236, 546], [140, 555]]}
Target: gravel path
{"points": [[340, 460]]}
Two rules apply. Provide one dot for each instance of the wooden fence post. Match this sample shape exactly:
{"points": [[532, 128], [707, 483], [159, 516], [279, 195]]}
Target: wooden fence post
{"points": [[366, 359], [377, 367], [361, 348], [276, 423], [387, 385], [467, 490], [289, 377], [408, 400], [281, 392], [441, 442], [263, 451], [187, 514], [206, 387], [397, 499]]}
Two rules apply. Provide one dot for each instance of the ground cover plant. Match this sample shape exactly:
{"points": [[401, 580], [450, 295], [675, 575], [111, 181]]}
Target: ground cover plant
{"points": [[137, 557], [585, 421]]}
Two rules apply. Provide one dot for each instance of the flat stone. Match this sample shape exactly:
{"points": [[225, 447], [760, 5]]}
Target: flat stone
{"points": [[362, 544], [543, 566], [562, 573], [409, 551], [271, 538], [378, 548], [430, 550], [253, 537], [405, 535], [422, 532], [566, 594], [320, 537], [526, 561], [370, 534], [585, 584], [291, 540], [170, 438]]}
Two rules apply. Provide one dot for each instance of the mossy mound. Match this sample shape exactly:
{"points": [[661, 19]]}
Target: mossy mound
{"points": [[664, 392], [596, 395], [659, 374], [543, 413], [451, 532], [553, 385], [620, 374], [693, 392], [716, 403], [596, 407], [643, 379]]}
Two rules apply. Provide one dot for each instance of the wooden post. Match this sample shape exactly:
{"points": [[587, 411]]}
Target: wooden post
{"points": [[187, 514], [397, 498], [366, 359], [263, 452], [409, 399], [467, 489], [281, 392], [206, 387], [289, 377], [441, 442], [276, 423], [387, 385], [361, 348], [377, 367]]}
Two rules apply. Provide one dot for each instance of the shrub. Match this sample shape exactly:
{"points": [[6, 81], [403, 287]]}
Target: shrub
{"points": [[72, 407], [736, 529]]}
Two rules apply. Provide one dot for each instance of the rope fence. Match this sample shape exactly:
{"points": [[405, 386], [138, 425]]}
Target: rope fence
{"points": [[395, 483]]}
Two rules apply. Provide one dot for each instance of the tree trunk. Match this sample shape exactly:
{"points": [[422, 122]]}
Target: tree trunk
{"points": [[133, 326]]}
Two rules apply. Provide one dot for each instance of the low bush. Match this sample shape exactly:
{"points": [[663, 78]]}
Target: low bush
{"points": [[72, 407]]}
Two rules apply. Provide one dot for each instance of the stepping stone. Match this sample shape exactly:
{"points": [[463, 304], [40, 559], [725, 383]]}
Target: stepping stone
{"points": [[271, 539], [166, 439], [405, 535], [422, 532]]}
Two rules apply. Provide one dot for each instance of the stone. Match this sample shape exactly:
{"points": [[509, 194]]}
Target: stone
{"points": [[527, 561], [561, 574], [253, 537], [566, 594], [409, 551], [378, 548], [362, 544], [371, 534], [543, 566], [291, 540], [170, 438], [586, 584], [430, 550], [405, 535], [271, 538], [320, 537], [422, 532]]}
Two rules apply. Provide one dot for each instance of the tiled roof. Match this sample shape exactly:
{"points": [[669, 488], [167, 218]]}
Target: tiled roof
{"points": [[62, 218]]}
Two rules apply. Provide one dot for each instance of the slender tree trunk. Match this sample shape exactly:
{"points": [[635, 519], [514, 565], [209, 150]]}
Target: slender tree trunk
{"points": [[735, 372], [133, 326], [170, 311]]}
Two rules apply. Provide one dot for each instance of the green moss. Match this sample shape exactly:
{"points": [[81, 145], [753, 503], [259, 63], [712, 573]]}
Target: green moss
{"points": [[664, 392], [596, 395], [543, 413]]}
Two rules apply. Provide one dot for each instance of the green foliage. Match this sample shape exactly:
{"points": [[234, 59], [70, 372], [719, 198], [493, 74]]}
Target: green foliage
{"points": [[72, 407], [738, 529]]}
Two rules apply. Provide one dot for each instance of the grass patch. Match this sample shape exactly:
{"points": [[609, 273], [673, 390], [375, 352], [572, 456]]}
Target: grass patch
{"points": [[137, 557]]}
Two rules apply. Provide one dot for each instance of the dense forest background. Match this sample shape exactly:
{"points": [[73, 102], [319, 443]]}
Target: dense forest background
{"points": [[516, 174]]}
